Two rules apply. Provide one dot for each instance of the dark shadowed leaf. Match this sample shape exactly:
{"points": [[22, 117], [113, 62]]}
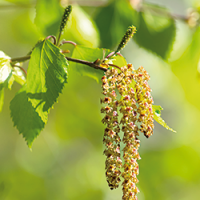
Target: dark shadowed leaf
{"points": [[25, 117], [113, 21], [155, 33]]}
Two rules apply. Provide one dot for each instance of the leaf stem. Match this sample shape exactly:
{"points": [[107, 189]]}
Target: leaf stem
{"points": [[58, 38], [53, 37], [112, 54], [115, 66], [20, 59], [84, 62], [91, 64], [69, 42]]}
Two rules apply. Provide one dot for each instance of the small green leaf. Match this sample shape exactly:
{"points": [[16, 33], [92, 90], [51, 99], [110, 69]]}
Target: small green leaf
{"points": [[157, 109], [88, 54], [25, 117], [118, 60], [157, 117], [10, 81], [46, 77]]}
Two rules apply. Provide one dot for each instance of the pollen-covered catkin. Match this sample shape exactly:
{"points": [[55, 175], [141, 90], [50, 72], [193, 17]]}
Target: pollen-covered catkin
{"points": [[135, 107], [111, 138], [130, 130], [144, 100]]}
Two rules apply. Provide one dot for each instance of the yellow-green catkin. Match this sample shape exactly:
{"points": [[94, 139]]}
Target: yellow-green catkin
{"points": [[111, 138], [130, 130], [65, 17], [127, 36], [144, 100]]}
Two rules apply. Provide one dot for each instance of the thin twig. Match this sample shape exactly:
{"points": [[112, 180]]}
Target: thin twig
{"points": [[112, 54], [21, 59], [91, 64]]}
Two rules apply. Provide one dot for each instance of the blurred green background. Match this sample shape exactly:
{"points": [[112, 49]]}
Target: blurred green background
{"points": [[66, 162]]}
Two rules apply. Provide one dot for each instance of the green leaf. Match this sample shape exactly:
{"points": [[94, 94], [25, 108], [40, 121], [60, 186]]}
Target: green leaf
{"points": [[157, 117], [92, 54], [11, 80], [48, 16], [157, 109], [25, 117], [88, 54], [113, 21], [46, 77], [118, 60], [155, 33]]}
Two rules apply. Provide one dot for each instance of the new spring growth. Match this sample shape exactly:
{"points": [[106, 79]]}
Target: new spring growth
{"points": [[127, 36], [65, 17]]}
